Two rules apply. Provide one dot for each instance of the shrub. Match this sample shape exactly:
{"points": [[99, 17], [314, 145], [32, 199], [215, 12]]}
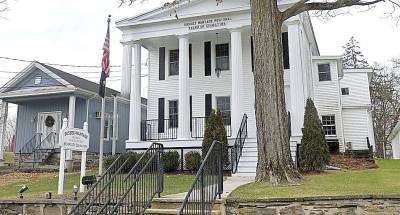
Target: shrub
{"points": [[132, 158], [215, 130], [171, 161], [314, 151], [192, 160]]}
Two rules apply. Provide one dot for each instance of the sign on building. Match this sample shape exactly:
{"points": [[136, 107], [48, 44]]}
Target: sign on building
{"points": [[74, 139]]}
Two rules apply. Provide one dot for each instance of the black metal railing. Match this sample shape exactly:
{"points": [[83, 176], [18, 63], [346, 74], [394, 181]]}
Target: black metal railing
{"points": [[199, 126], [207, 185], [106, 193], [142, 183], [44, 148], [237, 148], [28, 148], [157, 130]]}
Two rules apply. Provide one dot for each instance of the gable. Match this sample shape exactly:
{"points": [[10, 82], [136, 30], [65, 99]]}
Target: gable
{"points": [[188, 9], [35, 79]]}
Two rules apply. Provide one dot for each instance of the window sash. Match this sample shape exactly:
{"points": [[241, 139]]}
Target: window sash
{"points": [[224, 106], [328, 124], [222, 56], [324, 72], [173, 114], [174, 62]]}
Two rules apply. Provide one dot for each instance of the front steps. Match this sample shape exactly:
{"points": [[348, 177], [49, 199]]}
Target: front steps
{"points": [[160, 206], [248, 161]]}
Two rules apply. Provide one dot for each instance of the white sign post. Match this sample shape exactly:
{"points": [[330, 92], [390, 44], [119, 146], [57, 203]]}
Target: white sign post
{"points": [[73, 139]]}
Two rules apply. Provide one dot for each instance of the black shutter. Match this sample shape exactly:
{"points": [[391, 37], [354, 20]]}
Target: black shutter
{"points": [[252, 53], [190, 60], [208, 105], [207, 58], [161, 63], [191, 115], [285, 46], [161, 112]]}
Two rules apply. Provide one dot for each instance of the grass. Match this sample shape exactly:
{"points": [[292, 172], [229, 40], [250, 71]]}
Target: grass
{"points": [[381, 181], [41, 183]]}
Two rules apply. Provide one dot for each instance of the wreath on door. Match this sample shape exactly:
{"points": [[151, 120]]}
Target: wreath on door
{"points": [[49, 122]]}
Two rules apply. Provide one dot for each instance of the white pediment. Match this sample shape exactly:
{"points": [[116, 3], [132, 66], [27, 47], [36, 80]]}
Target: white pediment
{"points": [[187, 9]]}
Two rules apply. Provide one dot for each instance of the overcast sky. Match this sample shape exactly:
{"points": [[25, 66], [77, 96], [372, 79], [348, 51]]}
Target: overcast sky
{"points": [[72, 32]]}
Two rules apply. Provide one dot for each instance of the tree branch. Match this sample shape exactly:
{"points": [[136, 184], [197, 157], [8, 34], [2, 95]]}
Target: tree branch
{"points": [[303, 6]]}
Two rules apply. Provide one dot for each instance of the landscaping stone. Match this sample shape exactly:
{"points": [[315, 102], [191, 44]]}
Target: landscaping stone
{"points": [[350, 205]]}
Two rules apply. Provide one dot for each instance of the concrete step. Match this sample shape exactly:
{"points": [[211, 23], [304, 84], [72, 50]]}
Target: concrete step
{"points": [[243, 163], [172, 211], [249, 153], [250, 145], [248, 159], [245, 174]]}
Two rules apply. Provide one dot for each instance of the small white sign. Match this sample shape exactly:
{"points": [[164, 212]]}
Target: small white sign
{"points": [[74, 139]]}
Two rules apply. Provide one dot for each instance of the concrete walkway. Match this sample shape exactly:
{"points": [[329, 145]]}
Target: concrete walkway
{"points": [[230, 184]]}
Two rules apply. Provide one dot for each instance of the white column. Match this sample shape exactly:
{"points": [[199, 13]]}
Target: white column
{"points": [[115, 126], [237, 77], [71, 124], [60, 190], [83, 163], [297, 96], [184, 90], [126, 70], [3, 136], [135, 97]]}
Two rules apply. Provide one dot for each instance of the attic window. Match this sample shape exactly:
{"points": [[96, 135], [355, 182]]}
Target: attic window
{"points": [[38, 80]]}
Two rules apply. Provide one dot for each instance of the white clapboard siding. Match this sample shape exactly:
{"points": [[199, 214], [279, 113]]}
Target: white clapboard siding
{"points": [[358, 83], [326, 97], [356, 127]]}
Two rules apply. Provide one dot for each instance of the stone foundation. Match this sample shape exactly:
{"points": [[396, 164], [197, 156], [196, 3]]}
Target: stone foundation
{"points": [[36, 207], [348, 205]]}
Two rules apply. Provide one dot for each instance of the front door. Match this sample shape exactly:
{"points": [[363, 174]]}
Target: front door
{"points": [[49, 124]]}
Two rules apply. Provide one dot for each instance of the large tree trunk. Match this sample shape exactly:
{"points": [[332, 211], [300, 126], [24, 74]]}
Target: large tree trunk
{"points": [[274, 159]]}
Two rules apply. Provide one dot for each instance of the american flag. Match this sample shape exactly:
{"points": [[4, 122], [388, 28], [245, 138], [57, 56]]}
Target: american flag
{"points": [[105, 62]]}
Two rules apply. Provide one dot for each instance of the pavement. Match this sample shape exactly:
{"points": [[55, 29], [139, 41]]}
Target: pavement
{"points": [[230, 184]]}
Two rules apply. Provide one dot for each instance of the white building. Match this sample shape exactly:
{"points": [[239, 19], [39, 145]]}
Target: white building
{"points": [[203, 61]]}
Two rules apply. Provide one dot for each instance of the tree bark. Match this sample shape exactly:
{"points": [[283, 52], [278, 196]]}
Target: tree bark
{"points": [[274, 159]]}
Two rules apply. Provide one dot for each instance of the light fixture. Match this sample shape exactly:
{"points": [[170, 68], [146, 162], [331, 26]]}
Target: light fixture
{"points": [[217, 69], [75, 191], [22, 190]]}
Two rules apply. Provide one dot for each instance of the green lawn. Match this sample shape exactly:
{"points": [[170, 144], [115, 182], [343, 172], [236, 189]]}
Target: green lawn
{"points": [[39, 184], [382, 181]]}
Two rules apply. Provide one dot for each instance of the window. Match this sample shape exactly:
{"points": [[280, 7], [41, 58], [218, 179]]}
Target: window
{"points": [[224, 105], [324, 72], [107, 126], [174, 62], [38, 80], [222, 56], [328, 124], [345, 91], [173, 114]]}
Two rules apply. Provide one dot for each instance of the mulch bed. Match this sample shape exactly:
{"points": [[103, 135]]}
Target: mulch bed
{"points": [[352, 163]]}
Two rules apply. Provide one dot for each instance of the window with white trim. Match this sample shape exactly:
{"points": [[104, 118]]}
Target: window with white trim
{"points": [[222, 56], [224, 105], [38, 80], [174, 62], [173, 113], [324, 72], [328, 124]]}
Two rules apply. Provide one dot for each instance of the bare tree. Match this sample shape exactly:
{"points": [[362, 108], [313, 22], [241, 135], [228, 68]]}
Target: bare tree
{"points": [[385, 96], [10, 130], [353, 56], [274, 160], [3, 7]]}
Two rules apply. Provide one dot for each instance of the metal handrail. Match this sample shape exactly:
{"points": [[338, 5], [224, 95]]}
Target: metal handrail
{"points": [[92, 189], [237, 148], [28, 147], [207, 185], [38, 150], [198, 126], [156, 130], [151, 174]]}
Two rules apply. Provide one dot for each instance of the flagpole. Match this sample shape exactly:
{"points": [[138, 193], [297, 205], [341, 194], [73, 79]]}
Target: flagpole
{"points": [[105, 73], [102, 122]]}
